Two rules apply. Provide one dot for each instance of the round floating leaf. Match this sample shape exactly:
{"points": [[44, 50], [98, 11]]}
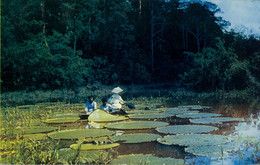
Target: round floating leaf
{"points": [[135, 138], [35, 136], [149, 105], [193, 139], [178, 112], [142, 111], [102, 116], [62, 120], [217, 120], [136, 125], [186, 129], [80, 133], [198, 107], [66, 115], [199, 115], [85, 147], [178, 109], [150, 116], [135, 159], [210, 151], [35, 129]]}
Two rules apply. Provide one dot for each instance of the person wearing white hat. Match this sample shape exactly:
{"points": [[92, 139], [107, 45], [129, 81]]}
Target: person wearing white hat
{"points": [[116, 100]]}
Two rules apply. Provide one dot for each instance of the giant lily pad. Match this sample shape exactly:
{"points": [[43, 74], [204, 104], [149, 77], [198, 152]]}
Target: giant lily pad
{"points": [[148, 105], [199, 115], [210, 151], [136, 125], [142, 111], [217, 120], [193, 139], [196, 107], [85, 147], [135, 159], [178, 112], [80, 133], [102, 116], [66, 115], [150, 116], [135, 138], [35, 129], [62, 120], [185, 129]]}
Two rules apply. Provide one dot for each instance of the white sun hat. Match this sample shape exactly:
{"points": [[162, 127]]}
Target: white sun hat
{"points": [[117, 90]]}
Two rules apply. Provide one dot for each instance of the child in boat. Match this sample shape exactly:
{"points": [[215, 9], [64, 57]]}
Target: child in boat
{"points": [[90, 105], [105, 106]]}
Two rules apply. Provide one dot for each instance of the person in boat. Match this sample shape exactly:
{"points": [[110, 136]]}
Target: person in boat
{"points": [[116, 100], [105, 106], [90, 105]]}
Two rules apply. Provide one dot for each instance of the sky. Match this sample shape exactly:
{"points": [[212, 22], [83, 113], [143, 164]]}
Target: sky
{"points": [[244, 15]]}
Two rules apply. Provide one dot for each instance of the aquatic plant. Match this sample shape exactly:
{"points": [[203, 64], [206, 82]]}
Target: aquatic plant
{"points": [[80, 133], [135, 138], [217, 120], [62, 120], [194, 107], [90, 146], [136, 125], [102, 116], [35, 129], [150, 116], [135, 159], [211, 151], [178, 112], [199, 115], [193, 139], [143, 111], [185, 129], [35, 136]]}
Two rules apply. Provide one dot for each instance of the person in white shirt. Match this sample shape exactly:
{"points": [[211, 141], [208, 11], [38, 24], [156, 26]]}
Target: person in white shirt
{"points": [[105, 106], [90, 105], [116, 100]]}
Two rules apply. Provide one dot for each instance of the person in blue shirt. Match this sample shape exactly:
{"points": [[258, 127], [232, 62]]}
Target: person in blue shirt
{"points": [[90, 105], [105, 106]]}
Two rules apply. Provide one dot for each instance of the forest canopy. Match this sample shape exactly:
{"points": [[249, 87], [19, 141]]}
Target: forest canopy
{"points": [[52, 44]]}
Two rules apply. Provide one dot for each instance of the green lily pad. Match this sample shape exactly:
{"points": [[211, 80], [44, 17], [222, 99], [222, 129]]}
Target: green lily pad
{"points": [[85, 147], [210, 151], [193, 139], [217, 120], [142, 111], [62, 120], [35, 136], [149, 105], [66, 115], [96, 140], [199, 115], [178, 109], [186, 129], [178, 112], [34, 130], [102, 116], [135, 159], [197, 107], [80, 133], [135, 138], [136, 125], [150, 116]]}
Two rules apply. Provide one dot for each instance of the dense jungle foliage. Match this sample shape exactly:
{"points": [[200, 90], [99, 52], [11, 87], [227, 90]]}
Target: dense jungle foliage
{"points": [[55, 44]]}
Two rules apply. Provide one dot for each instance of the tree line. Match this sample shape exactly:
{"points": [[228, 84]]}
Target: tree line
{"points": [[51, 44]]}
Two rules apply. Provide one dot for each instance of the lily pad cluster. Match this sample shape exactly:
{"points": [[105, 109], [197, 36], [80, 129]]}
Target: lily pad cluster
{"points": [[80, 133], [186, 129], [62, 120], [135, 138], [135, 159], [136, 125]]}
